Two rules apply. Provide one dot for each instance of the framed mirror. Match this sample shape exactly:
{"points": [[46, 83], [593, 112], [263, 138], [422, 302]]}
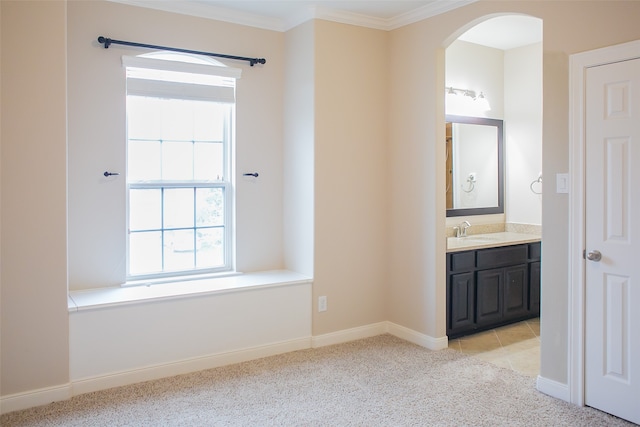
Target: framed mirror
{"points": [[475, 170]]}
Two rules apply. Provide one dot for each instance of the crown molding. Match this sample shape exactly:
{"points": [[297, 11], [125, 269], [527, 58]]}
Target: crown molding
{"points": [[317, 12], [433, 9], [345, 17], [207, 11], [203, 10]]}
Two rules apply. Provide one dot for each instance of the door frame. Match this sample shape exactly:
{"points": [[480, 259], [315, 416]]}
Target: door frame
{"points": [[578, 65]]}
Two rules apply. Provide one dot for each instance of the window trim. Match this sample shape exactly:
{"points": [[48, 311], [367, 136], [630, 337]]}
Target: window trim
{"points": [[213, 68]]}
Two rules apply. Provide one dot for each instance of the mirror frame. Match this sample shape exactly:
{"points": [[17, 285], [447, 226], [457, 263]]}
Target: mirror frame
{"points": [[485, 122]]}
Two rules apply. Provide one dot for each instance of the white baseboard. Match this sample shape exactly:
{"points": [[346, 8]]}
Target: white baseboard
{"points": [[378, 329], [347, 335], [87, 385], [30, 399], [79, 386], [553, 388], [417, 337]]}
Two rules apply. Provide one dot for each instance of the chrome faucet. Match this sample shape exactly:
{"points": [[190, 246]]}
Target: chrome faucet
{"points": [[461, 230]]}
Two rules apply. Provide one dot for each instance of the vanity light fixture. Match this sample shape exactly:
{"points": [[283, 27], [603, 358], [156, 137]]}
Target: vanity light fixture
{"points": [[481, 101]]}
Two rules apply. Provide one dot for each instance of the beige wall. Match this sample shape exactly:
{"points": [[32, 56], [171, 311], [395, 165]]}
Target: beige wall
{"points": [[35, 343], [351, 175], [299, 129], [97, 219], [417, 224], [378, 199]]}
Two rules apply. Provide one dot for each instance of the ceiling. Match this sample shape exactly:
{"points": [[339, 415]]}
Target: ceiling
{"points": [[504, 32], [282, 15]]}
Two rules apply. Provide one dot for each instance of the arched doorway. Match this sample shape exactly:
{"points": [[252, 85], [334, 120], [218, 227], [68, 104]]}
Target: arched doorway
{"points": [[498, 61]]}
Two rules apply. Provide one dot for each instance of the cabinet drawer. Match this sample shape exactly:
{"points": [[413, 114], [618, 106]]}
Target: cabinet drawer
{"points": [[503, 256], [463, 261], [534, 251]]}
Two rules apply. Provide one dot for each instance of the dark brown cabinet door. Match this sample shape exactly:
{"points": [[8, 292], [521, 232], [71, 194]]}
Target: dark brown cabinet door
{"points": [[534, 288], [490, 284], [462, 302], [516, 292]]}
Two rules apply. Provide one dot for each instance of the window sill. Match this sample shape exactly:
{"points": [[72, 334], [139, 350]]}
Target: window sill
{"points": [[109, 297]]}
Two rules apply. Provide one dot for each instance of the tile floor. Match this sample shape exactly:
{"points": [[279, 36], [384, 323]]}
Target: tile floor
{"points": [[515, 346]]}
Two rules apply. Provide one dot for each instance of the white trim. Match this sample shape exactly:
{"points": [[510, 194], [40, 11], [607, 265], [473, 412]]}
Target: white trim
{"points": [[178, 90], [33, 398], [553, 388], [79, 386], [93, 299], [418, 338], [578, 64], [180, 67], [117, 379], [296, 18], [374, 329], [347, 335], [430, 10], [208, 11]]}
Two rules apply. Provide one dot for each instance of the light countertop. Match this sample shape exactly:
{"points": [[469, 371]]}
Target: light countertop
{"points": [[489, 240]]}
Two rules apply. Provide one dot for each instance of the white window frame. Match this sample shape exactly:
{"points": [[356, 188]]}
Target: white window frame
{"points": [[189, 91]]}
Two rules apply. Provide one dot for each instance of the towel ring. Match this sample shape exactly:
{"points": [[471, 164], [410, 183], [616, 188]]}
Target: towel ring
{"points": [[536, 181]]}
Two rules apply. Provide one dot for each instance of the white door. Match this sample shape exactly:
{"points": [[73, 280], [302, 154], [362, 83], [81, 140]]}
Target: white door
{"points": [[612, 200]]}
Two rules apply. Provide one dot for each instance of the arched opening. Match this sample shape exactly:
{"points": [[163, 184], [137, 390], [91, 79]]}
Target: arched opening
{"points": [[493, 70]]}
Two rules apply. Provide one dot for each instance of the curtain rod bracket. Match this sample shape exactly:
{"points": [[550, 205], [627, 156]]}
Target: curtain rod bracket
{"points": [[107, 42]]}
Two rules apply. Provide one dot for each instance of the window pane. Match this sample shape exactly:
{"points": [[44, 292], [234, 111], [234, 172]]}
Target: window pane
{"points": [[145, 252], [177, 160], [144, 117], [208, 161], [145, 208], [210, 248], [178, 208], [209, 207], [177, 119], [179, 250], [144, 161], [209, 121]]}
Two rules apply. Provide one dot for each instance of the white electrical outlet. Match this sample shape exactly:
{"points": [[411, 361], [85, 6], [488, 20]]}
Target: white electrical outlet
{"points": [[322, 303]]}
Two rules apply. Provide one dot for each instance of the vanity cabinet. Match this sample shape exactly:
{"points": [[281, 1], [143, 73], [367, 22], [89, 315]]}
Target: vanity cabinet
{"points": [[492, 287]]}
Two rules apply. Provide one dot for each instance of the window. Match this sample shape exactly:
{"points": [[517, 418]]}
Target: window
{"points": [[180, 117]]}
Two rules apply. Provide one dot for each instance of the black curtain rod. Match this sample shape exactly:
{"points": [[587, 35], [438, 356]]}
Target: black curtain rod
{"points": [[107, 42]]}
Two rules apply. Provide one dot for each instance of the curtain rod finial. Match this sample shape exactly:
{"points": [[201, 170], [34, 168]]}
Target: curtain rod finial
{"points": [[106, 41], [255, 61]]}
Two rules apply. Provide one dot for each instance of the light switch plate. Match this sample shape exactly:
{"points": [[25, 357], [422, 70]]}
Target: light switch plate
{"points": [[562, 183]]}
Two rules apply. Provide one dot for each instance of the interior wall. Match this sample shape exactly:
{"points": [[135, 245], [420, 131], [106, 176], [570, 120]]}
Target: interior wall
{"points": [[523, 133], [417, 129], [417, 245], [363, 266], [34, 212], [299, 127], [479, 68], [97, 215], [351, 175], [514, 81]]}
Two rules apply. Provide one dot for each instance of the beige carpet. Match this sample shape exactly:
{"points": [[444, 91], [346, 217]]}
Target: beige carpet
{"points": [[380, 381]]}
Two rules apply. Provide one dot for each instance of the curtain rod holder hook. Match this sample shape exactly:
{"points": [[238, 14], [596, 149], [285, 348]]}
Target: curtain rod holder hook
{"points": [[104, 40]]}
